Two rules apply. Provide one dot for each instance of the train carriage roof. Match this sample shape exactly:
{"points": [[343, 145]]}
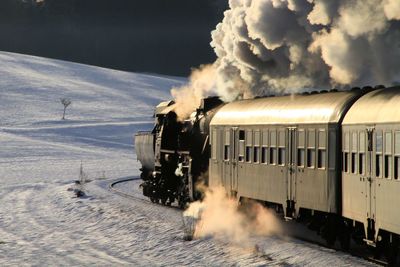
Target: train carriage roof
{"points": [[294, 109], [379, 106]]}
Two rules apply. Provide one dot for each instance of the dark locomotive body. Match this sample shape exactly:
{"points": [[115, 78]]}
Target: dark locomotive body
{"points": [[180, 151], [330, 159]]}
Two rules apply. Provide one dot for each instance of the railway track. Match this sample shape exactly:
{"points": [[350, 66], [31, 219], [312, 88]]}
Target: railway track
{"points": [[112, 188]]}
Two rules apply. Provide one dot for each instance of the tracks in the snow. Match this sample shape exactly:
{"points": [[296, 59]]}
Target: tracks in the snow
{"points": [[112, 185], [112, 188]]}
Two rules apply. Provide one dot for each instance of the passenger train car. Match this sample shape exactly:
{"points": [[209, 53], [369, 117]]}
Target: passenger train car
{"points": [[330, 159]]}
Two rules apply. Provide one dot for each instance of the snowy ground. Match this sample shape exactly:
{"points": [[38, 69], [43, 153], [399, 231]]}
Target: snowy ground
{"points": [[41, 223]]}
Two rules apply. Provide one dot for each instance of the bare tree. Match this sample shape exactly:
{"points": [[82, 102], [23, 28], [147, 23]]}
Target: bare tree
{"points": [[66, 102]]}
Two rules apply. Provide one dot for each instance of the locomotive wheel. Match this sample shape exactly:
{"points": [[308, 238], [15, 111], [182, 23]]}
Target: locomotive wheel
{"points": [[391, 251], [330, 239], [393, 254], [154, 200], [329, 231], [182, 204], [163, 201], [344, 240], [345, 236]]}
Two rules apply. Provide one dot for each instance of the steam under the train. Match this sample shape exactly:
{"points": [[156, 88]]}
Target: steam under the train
{"points": [[330, 159]]}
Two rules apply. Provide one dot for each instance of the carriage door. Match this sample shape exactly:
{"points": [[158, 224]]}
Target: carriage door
{"points": [[291, 171], [374, 159], [234, 160]]}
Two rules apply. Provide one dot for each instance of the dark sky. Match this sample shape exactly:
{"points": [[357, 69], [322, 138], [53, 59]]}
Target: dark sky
{"points": [[159, 36]]}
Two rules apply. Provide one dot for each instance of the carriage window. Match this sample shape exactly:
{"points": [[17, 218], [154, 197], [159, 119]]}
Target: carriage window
{"points": [[353, 162], [256, 150], [226, 144], [241, 135], [272, 155], [311, 149], [396, 167], [378, 143], [388, 143], [281, 156], [378, 150], [256, 155], [321, 158], [301, 148], [388, 166], [361, 160], [241, 146], [354, 141], [321, 149], [397, 155], [397, 143], [272, 149], [346, 144], [264, 149], [300, 157], [248, 153], [345, 161], [249, 145], [264, 154], [226, 152], [388, 157], [310, 158], [378, 165], [361, 155], [241, 151]]}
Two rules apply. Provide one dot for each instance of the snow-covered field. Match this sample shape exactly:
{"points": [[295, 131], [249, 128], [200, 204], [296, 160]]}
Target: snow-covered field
{"points": [[42, 223]]}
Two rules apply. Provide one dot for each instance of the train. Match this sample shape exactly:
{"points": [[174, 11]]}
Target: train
{"points": [[329, 159]]}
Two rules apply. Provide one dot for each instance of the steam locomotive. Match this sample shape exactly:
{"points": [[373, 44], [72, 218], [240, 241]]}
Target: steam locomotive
{"points": [[330, 159], [175, 154]]}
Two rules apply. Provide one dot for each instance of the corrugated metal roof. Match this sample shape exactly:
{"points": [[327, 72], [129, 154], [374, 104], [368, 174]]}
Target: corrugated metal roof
{"points": [[294, 109], [379, 106]]}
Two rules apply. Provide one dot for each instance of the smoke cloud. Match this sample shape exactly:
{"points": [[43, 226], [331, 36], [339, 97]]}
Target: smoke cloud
{"points": [[221, 216], [282, 46]]}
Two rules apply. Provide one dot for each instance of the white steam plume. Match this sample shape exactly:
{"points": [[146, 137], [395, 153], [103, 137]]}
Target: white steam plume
{"points": [[220, 216], [280, 46], [188, 97]]}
